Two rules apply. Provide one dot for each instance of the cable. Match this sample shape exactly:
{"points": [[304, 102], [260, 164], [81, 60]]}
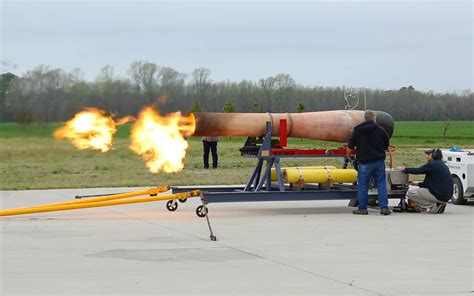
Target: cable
{"points": [[390, 150]]}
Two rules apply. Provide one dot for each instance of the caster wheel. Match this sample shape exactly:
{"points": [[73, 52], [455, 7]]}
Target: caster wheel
{"points": [[182, 200], [172, 205], [201, 212], [213, 238]]}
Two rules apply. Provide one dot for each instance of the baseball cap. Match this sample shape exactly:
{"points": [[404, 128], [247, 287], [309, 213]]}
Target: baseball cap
{"points": [[435, 153]]}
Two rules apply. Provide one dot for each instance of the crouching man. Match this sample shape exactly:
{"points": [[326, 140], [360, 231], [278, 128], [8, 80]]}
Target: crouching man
{"points": [[431, 195]]}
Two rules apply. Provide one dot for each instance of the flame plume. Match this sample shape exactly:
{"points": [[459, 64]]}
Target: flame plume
{"points": [[91, 128], [124, 120], [159, 139]]}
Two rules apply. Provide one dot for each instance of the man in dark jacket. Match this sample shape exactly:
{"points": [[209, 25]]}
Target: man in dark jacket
{"points": [[370, 141], [431, 195], [210, 144]]}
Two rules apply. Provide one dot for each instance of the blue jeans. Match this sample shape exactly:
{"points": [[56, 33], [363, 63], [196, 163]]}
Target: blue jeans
{"points": [[365, 172]]}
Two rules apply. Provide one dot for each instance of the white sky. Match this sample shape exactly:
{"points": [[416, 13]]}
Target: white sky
{"points": [[375, 44]]}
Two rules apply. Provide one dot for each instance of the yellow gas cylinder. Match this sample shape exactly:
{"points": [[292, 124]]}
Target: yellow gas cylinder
{"points": [[295, 175], [274, 175]]}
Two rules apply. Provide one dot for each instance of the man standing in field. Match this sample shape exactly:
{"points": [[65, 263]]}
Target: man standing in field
{"points": [[210, 143], [431, 195], [371, 141]]}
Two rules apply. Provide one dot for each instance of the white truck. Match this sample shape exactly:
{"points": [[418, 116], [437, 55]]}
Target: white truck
{"points": [[461, 165]]}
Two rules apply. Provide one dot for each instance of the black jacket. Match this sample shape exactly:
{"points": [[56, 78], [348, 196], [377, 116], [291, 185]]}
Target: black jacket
{"points": [[438, 179], [370, 141]]}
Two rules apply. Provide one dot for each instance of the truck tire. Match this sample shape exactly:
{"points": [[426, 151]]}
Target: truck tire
{"points": [[458, 192]]}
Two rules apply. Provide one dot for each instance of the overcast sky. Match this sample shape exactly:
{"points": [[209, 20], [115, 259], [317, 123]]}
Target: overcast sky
{"points": [[375, 44]]}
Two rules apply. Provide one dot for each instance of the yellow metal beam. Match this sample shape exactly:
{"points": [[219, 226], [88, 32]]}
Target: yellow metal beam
{"points": [[52, 208], [152, 192]]}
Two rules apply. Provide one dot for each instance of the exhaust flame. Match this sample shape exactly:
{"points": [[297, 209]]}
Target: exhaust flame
{"points": [[91, 128], [125, 120], [160, 141]]}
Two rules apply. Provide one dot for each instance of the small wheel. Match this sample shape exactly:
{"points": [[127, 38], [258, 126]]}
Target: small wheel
{"points": [[213, 238], [172, 205], [182, 200], [201, 212], [458, 192]]}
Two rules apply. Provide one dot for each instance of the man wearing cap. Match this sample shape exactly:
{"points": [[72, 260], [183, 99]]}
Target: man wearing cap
{"points": [[431, 195], [371, 141]]}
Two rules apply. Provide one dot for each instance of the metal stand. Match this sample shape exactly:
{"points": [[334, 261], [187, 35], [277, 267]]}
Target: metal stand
{"points": [[202, 211], [257, 181], [270, 156]]}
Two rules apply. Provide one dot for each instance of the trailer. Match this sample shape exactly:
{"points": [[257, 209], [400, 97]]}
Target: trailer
{"points": [[267, 183], [461, 165]]}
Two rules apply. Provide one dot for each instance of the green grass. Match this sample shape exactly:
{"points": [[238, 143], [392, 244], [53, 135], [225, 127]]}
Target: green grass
{"points": [[10, 130], [31, 159], [434, 130]]}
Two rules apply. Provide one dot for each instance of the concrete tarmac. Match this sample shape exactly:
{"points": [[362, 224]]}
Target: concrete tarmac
{"points": [[281, 248]]}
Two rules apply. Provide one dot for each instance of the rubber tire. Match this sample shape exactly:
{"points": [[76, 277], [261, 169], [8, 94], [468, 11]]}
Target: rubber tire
{"points": [[457, 188], [200, 212], [172, 205]]}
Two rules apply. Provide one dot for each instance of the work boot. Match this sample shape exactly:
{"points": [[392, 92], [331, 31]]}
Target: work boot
{"points": [[360, 212], [385, 211], [441, 207]]}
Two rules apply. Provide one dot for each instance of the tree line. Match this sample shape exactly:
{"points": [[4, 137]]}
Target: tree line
{"points": [[46, 94]]}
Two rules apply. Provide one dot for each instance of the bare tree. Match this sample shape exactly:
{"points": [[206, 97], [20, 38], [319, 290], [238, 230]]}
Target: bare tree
{"points": [[169, 76], [202, 83], [144, 75]]}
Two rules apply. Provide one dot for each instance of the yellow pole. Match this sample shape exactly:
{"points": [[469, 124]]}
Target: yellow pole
{"points": [[32, 210], [151, 192]]}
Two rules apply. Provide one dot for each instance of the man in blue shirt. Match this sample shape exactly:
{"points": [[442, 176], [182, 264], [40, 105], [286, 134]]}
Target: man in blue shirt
{"points": [[431, 195], [371, 141]]}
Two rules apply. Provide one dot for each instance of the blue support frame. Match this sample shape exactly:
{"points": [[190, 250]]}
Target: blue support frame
{"points": [[257, 182]]}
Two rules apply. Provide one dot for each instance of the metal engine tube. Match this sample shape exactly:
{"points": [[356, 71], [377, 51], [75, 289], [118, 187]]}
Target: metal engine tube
{"points": [[335, 126]]}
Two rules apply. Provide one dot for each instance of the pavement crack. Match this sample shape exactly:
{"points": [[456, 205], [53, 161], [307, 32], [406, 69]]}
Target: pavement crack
{"points": [[256, 255], [303, 270]]}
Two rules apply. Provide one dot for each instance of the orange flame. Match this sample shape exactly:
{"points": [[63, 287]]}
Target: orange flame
{"points": [[125, 120], [91, 128], [160, 141]]}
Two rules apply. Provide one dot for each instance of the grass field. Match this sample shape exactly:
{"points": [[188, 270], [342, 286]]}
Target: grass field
{"points": [[31, 159]]}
